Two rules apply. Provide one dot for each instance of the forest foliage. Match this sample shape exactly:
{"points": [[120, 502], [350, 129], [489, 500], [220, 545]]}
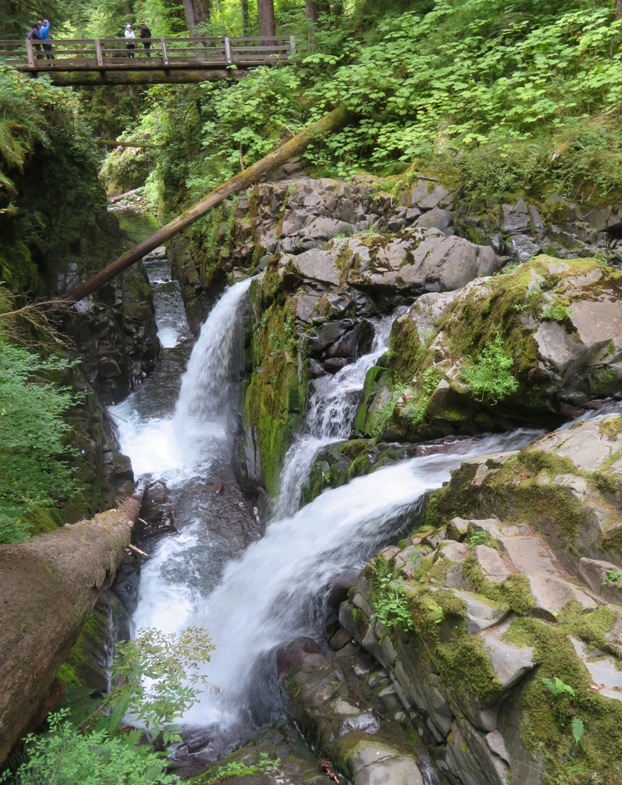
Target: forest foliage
{"points": [[499, 98]]}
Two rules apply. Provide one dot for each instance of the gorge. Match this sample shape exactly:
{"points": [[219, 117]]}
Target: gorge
{"points": [[328, 488]]}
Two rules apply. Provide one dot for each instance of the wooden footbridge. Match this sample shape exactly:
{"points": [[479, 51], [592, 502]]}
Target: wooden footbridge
{"points": [[151, 61]]}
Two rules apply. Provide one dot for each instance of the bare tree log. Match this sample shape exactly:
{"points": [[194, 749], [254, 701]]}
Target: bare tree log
{"points": [[48, 587], [330, 122], [115, 199]]}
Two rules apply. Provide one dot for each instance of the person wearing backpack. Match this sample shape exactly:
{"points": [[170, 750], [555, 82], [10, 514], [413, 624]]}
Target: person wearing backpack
{"points": [[33, 35]]}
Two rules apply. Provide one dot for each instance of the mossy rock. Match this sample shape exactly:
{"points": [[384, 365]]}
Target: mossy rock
{"points": [[276, 394], [523, 319], [339, 463]]}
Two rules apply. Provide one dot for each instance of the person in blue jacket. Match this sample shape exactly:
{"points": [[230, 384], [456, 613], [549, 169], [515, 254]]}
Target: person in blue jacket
{"points": [[44, 35]]}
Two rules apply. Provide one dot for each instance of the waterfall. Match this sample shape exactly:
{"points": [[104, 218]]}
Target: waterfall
{"points": [[273, 592], [174, 444], [206, 386], [330, 415]]}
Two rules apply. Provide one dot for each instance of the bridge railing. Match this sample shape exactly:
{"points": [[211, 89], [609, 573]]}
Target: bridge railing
{"points": [[79, 53]]}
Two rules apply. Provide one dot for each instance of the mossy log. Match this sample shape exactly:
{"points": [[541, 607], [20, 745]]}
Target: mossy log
{"points": [[327, 124], [48, 587], [129, 77]]}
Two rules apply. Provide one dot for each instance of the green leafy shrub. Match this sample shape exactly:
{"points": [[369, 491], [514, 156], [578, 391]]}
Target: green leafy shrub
{"points": [[51, 201], [64, 756], [34, 470], [391, 605], [156, 678], [489, 377], [556, 313]]}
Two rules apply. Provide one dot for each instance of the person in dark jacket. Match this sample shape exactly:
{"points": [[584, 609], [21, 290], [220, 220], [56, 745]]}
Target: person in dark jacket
{"points": [[33, 35], [44, 35], [145, 33]]}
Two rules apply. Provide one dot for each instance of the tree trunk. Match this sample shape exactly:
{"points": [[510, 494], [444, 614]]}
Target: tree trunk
{"points": [[197, 11], [619, 9], [49, 586], [327, 124], [313, 10], [246, 24], [265, 15]]}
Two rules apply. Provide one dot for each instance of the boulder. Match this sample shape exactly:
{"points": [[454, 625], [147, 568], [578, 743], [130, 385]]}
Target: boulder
{"points": [[555, 329]]}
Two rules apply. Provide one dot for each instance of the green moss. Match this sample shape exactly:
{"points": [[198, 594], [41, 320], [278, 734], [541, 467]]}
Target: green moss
{"points": [[546, 729], [611, 427], [514, 593], [407, 348], [538, 461], [607, 484], [591, 626], [274, 399], [377, 397], [432, 517], [612, 540], [41, 520], [89, 640], [604, 381], [465, 668]]}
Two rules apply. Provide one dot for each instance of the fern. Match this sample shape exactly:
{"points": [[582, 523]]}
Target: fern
{"points": [[578, 729]]}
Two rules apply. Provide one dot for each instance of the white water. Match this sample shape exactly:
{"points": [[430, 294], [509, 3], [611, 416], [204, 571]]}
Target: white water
{"points": [[178, 445], [330, 415], [266, 598]]}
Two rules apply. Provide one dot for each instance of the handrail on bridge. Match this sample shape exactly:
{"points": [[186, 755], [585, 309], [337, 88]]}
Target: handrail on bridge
{"points": [[103, 53]]}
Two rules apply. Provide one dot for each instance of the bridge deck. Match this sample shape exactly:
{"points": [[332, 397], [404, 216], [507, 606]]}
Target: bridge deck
{"points": [[110, 60]]}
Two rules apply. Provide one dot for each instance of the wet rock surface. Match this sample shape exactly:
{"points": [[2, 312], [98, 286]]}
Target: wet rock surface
{"points": [[115, 332], [275, 756], [347, 705], [552, 322]]}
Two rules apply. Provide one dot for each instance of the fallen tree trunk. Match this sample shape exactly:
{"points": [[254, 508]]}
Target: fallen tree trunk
{"points": [[327, 124], [48, 587], [114, 199]]}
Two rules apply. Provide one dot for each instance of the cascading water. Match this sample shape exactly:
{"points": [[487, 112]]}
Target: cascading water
{"points": [[329, 418], [174, 444], [275, 591]]}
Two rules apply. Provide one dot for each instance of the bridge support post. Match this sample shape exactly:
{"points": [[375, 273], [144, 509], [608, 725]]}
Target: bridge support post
{"points": [[228, 58], [99, 53], [164, 52], [292, 46], [30, 53]]}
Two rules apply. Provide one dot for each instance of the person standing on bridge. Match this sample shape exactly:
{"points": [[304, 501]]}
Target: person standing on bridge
{"points": [[145, 33], [44, 35], [130, 37], [33, 35]]}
